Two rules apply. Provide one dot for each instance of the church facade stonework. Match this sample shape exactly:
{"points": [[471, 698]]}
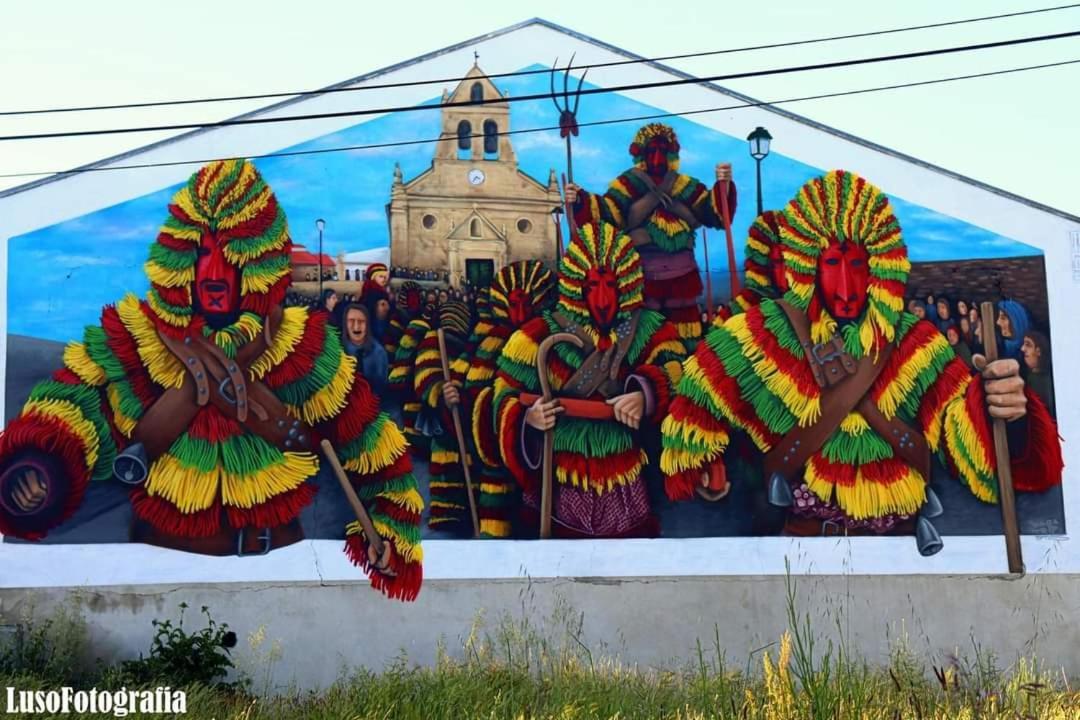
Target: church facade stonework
{"points": [[473, 211]]}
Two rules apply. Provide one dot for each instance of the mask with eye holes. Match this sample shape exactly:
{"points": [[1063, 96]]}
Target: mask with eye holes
{"points": [[843, 279]]}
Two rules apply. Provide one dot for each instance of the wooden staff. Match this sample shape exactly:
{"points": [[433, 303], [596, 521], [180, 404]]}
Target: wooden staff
{"points": [[373, 537], [726, 213], [1001, 453], [549, 435], [708, 278], [571, 225], [463, 449]]}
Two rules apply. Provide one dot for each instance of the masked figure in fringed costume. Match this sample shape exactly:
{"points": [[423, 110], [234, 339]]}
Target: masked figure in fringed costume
{"points": [[661, 209], [845, 393], [401, 382], [763, 267], [407, 306], [212, 398], [624, 372], [449, 501], [518, 293]]}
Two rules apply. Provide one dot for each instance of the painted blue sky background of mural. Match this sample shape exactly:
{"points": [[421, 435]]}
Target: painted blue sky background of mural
{"points": [[59, 277]]}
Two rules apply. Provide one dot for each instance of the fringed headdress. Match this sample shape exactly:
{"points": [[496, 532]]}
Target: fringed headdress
{"points": [[230, 199], [647, 133], [529, 276], [844, 207], [600, 245], [764, 235]]}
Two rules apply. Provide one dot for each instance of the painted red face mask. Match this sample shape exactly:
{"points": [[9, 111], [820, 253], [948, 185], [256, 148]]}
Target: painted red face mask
{"points": [[656, 157], [217, 282], [843, 279], [414, 302], [602, 296], [518, 306], [776, 268]]}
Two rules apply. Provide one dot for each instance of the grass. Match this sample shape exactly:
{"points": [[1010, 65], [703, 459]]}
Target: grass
{"points": [[522, 669]]}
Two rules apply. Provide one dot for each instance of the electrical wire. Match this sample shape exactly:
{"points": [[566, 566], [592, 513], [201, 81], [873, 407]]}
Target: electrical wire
{"points": [[520, 73], [524, 131], [544, 96]]}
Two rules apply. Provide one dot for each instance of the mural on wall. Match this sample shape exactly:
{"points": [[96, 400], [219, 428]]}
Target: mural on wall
{"points": [[551, 374]]}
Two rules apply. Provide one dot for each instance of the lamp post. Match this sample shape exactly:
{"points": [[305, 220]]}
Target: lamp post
{"points": [[320, 223], [556, 215], [759, 150]]}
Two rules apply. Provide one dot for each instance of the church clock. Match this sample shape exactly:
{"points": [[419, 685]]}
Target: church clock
{"points": [[476, 176]]}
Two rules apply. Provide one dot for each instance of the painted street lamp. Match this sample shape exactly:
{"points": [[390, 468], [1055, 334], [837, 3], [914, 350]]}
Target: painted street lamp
{"points": [[556, 215], [759, 150], [320, 223]]}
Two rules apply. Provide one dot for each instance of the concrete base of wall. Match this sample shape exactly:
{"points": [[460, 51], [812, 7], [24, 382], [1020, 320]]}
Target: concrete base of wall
{"points": [[324, 630]]}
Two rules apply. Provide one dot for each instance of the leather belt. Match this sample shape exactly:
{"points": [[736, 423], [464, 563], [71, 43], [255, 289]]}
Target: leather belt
{"points": [[227, 541]]}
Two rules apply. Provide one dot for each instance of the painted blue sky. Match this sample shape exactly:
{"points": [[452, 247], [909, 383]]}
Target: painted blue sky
{"points": [[60, 276]]}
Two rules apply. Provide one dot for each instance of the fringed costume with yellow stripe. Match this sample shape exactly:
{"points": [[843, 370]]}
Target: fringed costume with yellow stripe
{"points": [[449, 499], [519, 292], [672, 278], [751, 373], [597, 463], [218, 475]]}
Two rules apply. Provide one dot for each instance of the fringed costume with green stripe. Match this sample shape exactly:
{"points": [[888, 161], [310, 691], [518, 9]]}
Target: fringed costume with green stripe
{"points": [[217, 475], [751, 374], [449, 499], [519, 292], [665, 237], [401, 382], [408, 303], [763, 247], [599, 489]]}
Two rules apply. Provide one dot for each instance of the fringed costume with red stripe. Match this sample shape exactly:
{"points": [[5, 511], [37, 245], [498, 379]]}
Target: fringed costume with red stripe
{"points": [[599, 490], [751, 373], [218, 476], [664, 238]]}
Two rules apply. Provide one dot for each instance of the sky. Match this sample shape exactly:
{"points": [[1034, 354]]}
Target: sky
{"points": [[59, 279], [1015, 132]]}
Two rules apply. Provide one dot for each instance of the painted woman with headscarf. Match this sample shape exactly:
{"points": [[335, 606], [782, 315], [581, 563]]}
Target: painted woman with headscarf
{"points": [[1013, 321]]}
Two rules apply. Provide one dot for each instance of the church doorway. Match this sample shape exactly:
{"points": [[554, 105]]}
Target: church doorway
{"points": [[479, 273]]}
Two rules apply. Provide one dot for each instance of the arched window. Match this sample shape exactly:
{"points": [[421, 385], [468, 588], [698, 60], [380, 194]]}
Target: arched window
{"points": [[491, 140], [464, 140], [347, 274], [474, 228], [476, 92]]}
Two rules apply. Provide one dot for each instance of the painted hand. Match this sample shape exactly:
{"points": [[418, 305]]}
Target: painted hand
{"points": [[571, 191], [714, 484], [29, 490], [451, 394], [723, 172], [629, 408], [381, 563], [542, 414], [1003, 386]]}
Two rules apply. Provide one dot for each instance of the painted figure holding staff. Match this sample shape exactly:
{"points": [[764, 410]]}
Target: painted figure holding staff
{"points": [[661, 209]]}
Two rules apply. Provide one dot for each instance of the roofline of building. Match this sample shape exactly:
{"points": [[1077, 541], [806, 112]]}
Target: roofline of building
{"points": [[584, 38]]}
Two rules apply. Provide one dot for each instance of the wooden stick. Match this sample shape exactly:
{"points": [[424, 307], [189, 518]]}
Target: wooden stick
{"points": [[708, 280], [571, 225], [732, 270], [1001, 453], [549, 435], [373, 537], [463, 449]]}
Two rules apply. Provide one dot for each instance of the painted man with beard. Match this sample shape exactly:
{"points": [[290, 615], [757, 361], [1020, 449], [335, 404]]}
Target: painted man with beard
{"points": [[661, 209], [845, 393], [211, 399], [627, 366]]}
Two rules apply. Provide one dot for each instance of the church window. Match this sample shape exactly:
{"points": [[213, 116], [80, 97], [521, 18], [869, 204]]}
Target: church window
{"points": [[524, 225], [464, 140], [428, 221], [474, 228], [491, 140], [476, 92], [347, 274]]}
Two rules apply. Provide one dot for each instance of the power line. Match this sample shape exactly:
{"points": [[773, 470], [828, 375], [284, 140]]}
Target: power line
{"points": [[414, 83], [524, 131], [545, 96]]}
